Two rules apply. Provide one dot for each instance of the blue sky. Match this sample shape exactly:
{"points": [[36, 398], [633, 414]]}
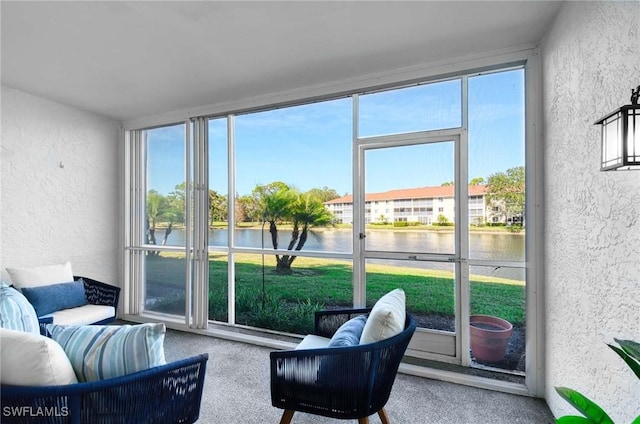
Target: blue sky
{"points": [[310, 146]]}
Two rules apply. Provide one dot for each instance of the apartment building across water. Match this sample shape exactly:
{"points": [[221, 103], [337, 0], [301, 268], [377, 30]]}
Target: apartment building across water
{"points": [[423, 205]]}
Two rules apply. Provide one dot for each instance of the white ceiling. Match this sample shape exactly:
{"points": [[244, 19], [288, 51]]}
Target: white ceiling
{"points": [[126, 59]]}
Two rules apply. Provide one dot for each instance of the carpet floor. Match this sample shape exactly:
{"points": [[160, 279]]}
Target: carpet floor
{"points": [[237, 392]]}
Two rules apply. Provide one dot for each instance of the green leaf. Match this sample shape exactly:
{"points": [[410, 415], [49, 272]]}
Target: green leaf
{"points": [[583, 404], [573, 419], [633, 364], [637, 420], [630, 347]]}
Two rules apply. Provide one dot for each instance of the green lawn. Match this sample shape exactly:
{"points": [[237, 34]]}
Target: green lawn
{"points": [[289, 300]]}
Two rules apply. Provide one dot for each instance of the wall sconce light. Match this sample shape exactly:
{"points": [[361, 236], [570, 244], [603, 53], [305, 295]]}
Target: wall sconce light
{"points": [[621, 136]]}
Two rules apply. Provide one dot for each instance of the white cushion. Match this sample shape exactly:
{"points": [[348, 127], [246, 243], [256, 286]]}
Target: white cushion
{"points": [[386, 318], [33, 360], [312, 341], [99, 352], [82, 315], [41, 275]]}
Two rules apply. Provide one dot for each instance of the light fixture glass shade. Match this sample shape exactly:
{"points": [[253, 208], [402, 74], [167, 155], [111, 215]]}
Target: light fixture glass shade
{"points": [[621, 139]]}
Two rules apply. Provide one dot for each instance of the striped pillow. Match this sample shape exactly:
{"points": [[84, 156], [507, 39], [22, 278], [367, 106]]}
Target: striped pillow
{"points": [[16, 313], [99, 352]]}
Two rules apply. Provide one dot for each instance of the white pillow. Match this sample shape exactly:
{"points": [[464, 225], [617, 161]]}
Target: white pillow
{"points": [[99, 352], [386, 318], [41, 275], [33, 360]]}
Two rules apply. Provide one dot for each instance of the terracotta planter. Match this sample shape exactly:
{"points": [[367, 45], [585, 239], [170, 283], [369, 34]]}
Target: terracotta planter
{"points": [[489, 337]]}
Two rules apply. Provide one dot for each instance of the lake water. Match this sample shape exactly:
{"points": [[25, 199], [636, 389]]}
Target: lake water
{"points": [[485, 246]]}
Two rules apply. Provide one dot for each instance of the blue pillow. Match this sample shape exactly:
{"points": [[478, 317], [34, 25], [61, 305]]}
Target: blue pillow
{"points": [[349, 333], [54, 297], [334, 372]]}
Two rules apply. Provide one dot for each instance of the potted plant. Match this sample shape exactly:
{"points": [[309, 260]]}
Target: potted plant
{"points": [[489, 337]]}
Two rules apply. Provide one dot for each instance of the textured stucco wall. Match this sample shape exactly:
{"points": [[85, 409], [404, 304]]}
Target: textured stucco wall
{"points": [[60, 187], [591, 61]]}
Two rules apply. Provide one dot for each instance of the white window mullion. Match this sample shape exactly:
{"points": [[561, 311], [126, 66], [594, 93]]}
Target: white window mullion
{"points": [[462, 230], [200, 283], [134, 180], [188, 225], [534, 215], [359, 286], [231, 219], [129, 219]]}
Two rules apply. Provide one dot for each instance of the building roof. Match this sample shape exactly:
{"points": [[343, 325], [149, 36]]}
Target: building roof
{"points": [[412, 193]]}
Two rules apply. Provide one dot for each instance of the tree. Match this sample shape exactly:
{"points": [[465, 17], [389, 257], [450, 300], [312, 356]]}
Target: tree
{"points": [[156, 206], [324, 194], [158, 210], [280, 203], [275, 207], [261, 194], [442, 220], [217, 207], [176, 204], [506, 189], [476, 181], [307, 211], [247, 209]]}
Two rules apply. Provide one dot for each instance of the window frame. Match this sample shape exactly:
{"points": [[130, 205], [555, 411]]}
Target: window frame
{"points": [[526, 58]]}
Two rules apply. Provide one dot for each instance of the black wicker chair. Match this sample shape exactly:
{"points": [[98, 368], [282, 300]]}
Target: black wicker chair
{"points": [[97, 293], [168, 393], [339, 382]]}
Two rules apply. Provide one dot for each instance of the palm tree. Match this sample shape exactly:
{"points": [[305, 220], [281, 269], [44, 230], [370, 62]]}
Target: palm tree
{"points": [[280, 203], [276, 207], [307, 211]]}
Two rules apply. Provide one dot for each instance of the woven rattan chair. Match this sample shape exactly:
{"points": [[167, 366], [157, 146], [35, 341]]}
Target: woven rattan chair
{"points": [[168, 394], [98, 293], [339, 382]]}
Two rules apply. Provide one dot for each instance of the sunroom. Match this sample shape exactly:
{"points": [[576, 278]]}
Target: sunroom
{"points": [[446, 148]]}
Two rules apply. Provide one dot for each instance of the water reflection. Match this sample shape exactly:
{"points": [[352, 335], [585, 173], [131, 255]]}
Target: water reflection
{"points": [[484, 246]]}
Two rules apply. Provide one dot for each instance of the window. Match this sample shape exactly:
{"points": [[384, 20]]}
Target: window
{"points": [[423, 107], [165, 207], [249, 219]]}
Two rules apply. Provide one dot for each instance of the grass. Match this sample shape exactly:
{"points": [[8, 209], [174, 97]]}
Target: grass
{"points": [[290, 299]]}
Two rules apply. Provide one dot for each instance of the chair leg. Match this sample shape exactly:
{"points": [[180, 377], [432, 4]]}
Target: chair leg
{"points": [[287, 416], [364, 420], [383, 416]]}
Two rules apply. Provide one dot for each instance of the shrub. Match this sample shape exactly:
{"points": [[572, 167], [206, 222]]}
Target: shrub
{"points": [[272, 312]]}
